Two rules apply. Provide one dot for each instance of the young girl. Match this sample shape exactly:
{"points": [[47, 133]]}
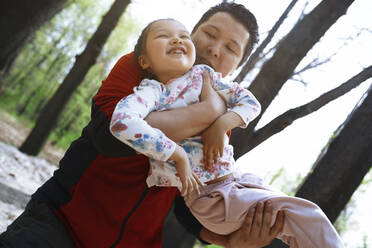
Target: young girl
{"points": [[215, 193]]}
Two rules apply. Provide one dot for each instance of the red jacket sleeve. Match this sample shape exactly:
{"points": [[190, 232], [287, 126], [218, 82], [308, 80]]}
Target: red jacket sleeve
{"points": [[119, 83]]}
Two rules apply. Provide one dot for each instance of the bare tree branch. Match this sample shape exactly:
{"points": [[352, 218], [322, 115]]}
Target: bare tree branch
{"points": [[300, 79], [257, 53], [303, 10], [287, 118], [313, 64], [280, 67], [346, 162]]}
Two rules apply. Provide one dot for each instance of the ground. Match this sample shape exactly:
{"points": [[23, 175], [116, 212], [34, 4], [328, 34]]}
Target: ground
{"points": [[14, 133], [19, 171]]}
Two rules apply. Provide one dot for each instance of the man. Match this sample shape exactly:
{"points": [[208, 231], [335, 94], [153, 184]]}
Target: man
{"points": [[99, 197]]}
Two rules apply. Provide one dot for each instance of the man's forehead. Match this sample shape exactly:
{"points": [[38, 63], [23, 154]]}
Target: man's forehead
{"points": [[223, 22]]}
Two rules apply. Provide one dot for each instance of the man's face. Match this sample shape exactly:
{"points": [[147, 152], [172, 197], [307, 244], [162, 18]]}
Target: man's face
{"points": [[220, 43]]}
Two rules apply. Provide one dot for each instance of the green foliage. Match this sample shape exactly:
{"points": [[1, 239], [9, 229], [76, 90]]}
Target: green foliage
{"points": [[344, 222], [280, 180], [365, 241], [48, 57], [200, 245]]}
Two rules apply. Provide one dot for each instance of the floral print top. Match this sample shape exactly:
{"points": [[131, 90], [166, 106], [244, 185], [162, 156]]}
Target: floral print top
{"points": [[129, 126]]}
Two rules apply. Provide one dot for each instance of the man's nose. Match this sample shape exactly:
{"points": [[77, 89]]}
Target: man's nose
{"points": [[214, 50]]}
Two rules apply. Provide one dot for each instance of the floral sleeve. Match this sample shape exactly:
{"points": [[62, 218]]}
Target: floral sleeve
{"points": [[128, 124], [237, 98]]}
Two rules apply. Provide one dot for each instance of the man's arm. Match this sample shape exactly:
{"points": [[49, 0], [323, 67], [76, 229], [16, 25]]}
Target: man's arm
{"points": [[186, 122], [176, 124]]}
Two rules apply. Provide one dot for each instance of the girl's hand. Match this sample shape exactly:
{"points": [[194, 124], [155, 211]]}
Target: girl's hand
{"points": [[188, 178], [214, 139]]}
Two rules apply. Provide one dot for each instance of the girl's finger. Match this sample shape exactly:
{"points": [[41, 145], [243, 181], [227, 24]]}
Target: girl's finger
{"points": [[190, 189], [206, 77], [215, 156], [221, 151], [184, 188], [197, 179], [209, 159], [195, 185]]}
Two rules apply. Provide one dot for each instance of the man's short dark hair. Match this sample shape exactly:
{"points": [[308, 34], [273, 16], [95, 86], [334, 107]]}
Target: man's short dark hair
{"points": [[241, 14]]}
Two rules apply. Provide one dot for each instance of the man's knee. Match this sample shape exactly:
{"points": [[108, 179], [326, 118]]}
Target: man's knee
{"points": [[38, 227]]}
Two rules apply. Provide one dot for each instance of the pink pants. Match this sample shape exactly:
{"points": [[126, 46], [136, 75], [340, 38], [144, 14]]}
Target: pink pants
{"points": [[223, 206]]}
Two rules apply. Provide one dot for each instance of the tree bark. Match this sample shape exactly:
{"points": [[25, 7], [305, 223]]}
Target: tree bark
{"points": [[291, 50], [19, 20], [341, 168], [277, 70], [286, 119], [256, 55], [54, 107]]}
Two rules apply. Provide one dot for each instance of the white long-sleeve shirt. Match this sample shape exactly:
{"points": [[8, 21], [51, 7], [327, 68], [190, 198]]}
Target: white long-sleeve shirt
{"points": [[129, 126]]}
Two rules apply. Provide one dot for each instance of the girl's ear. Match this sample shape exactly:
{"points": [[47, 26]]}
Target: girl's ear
{"points": [[142, 61]]}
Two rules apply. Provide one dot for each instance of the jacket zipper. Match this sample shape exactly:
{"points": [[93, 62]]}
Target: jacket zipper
{"points": [[128, 216]]}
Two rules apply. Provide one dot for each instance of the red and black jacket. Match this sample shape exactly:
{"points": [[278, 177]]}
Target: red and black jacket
{"points": [[100, 190]]}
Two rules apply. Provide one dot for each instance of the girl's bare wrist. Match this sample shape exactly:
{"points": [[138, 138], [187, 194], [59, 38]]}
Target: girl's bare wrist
{"points": [[178, 155]]}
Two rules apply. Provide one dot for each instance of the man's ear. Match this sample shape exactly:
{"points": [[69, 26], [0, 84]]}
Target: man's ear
{"points": [[142, 61]]}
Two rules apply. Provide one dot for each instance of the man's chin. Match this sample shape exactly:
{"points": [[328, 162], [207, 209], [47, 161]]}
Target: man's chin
{"points": [[202, 61]]}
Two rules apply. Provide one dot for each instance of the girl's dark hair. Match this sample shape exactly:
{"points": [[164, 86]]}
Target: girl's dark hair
{"points": [[140, 47], [241, 14]]}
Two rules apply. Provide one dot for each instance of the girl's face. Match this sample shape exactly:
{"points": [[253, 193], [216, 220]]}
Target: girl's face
{"points": [[169, 51]]}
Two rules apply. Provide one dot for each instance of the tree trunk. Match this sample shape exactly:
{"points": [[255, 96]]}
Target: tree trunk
{"points": [[292, 49], [286, 119], [54, 107], [256, 55], [341, 168], [276, 71], [19, 20]]}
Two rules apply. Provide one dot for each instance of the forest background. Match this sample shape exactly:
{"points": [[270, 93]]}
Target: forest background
{"points": [[283, 159]]}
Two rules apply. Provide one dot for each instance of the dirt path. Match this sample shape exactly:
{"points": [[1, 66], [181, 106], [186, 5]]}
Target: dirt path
{"points": [[14, 133]]}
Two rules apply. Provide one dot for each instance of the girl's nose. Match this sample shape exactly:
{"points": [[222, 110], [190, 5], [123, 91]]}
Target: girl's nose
{"points": [[176, 40]]}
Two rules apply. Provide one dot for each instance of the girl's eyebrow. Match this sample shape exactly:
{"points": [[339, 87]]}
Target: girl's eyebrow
{"points": [[160, 30], [167, 30]]}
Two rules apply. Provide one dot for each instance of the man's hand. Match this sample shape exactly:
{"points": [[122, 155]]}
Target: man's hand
{"points": [[181, 123], [256, 231]]}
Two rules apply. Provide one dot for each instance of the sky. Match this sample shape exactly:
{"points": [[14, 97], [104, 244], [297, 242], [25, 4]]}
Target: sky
{"points": [[296, 148]]}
